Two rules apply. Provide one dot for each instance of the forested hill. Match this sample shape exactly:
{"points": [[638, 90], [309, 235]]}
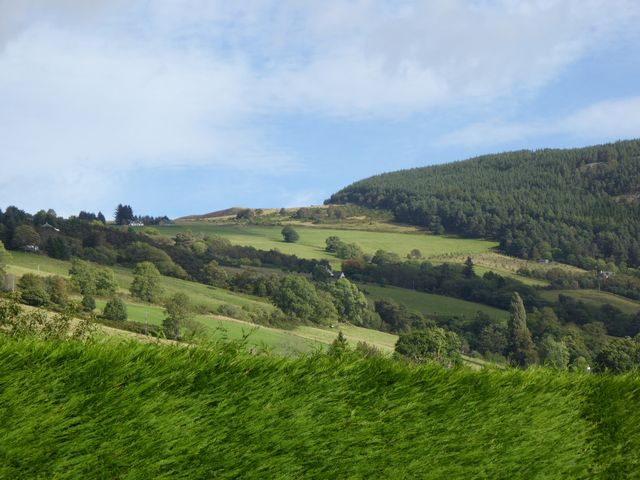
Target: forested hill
{"points": [[573, 205]]}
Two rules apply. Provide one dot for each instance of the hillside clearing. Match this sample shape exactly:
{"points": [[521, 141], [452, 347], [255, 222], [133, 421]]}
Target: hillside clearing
{"points": [[201, 295], [594, 297], [431, 304], [312, 240]]}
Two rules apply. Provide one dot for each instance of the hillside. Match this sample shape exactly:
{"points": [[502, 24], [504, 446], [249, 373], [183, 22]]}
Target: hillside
{"points": [[572, 205], [131, 410]]}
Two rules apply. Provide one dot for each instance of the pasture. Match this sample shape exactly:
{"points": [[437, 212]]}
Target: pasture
{"points": [[312, 240], [431, 304], [201, 295], [594, 297]]}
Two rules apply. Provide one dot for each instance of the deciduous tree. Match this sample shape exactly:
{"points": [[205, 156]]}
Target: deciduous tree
{"points": [[146, 282], [177, 313], [115, 310], [431, 345]]}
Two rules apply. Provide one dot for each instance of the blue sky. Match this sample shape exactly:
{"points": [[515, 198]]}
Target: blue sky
{"points": [[181, 107]]}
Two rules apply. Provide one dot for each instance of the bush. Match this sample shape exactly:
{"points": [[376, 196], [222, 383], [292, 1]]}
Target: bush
{"points": [[115, 310], [289, 234], [431, 345], [88, 303], [57, 289], [32, 290]]}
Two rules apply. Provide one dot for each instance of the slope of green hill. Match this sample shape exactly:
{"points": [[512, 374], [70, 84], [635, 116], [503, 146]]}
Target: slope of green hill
{"points": [[312, 244], [132, 410], [201, 295], [430, 304], [571, 205]]}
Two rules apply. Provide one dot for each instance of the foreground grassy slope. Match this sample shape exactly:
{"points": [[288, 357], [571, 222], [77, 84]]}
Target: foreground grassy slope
{"points": [[114, 410]]}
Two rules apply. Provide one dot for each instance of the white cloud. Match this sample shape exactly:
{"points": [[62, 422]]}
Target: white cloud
{"points": [[603, 121], [91, 90]]}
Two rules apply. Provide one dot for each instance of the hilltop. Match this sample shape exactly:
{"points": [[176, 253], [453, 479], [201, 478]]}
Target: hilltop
{"points": [[573, 205]]}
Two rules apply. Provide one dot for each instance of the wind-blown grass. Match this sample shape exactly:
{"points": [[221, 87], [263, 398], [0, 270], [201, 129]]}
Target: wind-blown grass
{"points": [[129, 410]]}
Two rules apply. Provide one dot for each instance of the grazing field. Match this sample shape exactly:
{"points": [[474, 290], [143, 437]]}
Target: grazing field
{"points": [[312, 240], [299, 340], [116, 409], [201, 295], [428, 303], [594, 297]]}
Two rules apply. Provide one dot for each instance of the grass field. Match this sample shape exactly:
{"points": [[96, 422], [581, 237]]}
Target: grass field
{"points": [[312, 240], [200, 294], [299, 340], [284, 342], [594, 297], [431, 304], [132, 410]]}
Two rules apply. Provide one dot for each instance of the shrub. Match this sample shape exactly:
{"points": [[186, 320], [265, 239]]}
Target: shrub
{"points": [[289, 234], [32, 290], [115, 310]]}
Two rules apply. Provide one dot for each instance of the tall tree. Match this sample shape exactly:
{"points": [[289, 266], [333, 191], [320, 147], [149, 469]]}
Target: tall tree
{"points": [[146, 282], [123, 214], [178, 312], [297, 296], [350, 302], [521, 351], [468, 268], [25, 235]]}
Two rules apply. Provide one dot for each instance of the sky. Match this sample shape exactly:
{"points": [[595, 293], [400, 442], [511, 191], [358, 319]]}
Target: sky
{"points": [[190, 106]]}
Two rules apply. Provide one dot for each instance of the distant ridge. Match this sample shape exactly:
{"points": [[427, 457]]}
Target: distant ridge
{"points": [[217, 214]]}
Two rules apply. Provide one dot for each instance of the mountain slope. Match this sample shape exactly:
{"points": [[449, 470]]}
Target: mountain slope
{"points": [[572, 205]]}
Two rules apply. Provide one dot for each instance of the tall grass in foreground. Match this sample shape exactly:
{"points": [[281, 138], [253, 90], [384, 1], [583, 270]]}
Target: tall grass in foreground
{"points": [[130, 410]]}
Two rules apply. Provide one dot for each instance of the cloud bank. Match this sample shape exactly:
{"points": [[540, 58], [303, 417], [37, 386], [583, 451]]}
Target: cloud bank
{"points": [[90, 91]]}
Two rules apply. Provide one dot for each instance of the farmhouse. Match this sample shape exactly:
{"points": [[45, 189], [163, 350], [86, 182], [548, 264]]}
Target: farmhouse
{"points": [[48, 225]]}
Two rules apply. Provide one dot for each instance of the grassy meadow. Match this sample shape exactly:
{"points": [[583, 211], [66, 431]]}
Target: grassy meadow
{"points": [[594, 297], [130, 410], [312, 240], [429, 303], [201, 295]]}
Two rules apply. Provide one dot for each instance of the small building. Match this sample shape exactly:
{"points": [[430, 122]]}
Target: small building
{"points": [[31, 248], [48, 225], [336, 275]]}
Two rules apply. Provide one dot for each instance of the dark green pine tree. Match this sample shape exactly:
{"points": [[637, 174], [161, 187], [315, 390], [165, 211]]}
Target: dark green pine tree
{"points": [[468, 268], [520, 350]]}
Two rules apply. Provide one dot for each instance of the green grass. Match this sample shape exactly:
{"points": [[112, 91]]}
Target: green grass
{"points": [[312, 240], [283, 342], [431, 304], [534, 282], [201, 295], [594, 297], [139, 411], [299, 340]]}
